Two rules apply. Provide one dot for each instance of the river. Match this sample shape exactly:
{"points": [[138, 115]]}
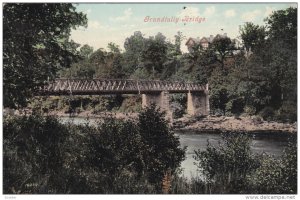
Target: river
{"points": [[269, 145]]}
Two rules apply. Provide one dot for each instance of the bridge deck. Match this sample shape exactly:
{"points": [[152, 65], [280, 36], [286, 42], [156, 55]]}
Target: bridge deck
{"points": [[114, 86]]}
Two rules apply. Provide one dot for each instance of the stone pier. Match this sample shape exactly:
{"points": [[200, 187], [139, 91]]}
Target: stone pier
{"points": [[161, 99], [198, 103]]}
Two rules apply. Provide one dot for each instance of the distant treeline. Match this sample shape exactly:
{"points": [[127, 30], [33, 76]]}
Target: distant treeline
{"points": [[259, 78]]}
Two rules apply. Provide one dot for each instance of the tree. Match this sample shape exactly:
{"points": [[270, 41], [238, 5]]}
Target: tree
{"points": [[35, 46], [226, 167], [33, 156], [282, 32], [133, 47], [154, 54], [223, 47], [179, 37], [162, 148], [277, 176], [282, 26], [86, 51], [114, 48], [252, 35]]}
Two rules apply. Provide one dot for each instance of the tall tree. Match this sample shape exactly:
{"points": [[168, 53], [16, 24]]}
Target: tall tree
{"points": [[86, 51], [282, 26], [36, 45], [133, 47], [154, 54], [252, 35], [223, 47]]}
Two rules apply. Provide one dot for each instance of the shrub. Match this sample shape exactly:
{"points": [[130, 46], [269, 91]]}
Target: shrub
{"points": [[41, 155], [267, 113], [162, 147], [287, 112], [277, 176], [250, 110], [33, 155], [225, 167]]}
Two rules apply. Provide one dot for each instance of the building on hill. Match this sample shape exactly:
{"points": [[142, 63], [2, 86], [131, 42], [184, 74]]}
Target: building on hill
{"points": [[206, 41]]}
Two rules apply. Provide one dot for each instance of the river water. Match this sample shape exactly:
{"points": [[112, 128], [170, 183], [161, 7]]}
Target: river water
{"points": [[269, 145]]}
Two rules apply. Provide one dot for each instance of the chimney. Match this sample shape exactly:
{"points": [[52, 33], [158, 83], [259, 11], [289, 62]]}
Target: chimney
{"points": [[225, 34], [211, 37]]}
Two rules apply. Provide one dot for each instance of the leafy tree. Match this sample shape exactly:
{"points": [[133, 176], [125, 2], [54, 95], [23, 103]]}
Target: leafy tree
{"points": [[133, 45], [179, 37], [154, 53], [282, 26], [223, 47], [282, 31], [162, 148], [114, 48], [253, 36], [33, 156], [219, 92], [86, 51], [35, 46], [226, 166], [277, 176]]}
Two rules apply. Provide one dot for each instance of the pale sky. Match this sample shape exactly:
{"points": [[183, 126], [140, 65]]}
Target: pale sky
{"points": [[109, 22]]}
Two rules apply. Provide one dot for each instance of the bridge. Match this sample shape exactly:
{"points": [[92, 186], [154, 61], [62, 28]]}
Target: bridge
{"points": [[152, 91]]}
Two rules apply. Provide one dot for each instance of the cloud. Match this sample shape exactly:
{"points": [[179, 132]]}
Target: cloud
{"points": [[229, 13], [251, 15], [209, 11], [189, 11], [93, 24], [268, 11], [126, 15], [88, 11]]}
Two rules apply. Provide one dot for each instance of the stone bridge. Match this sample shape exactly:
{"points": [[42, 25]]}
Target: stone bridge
{"points": [[152, 91]]}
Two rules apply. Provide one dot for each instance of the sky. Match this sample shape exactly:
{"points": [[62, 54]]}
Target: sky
{"points": [[109, 22]]}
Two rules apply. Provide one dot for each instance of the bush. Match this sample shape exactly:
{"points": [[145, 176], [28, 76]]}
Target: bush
{"points": [[277, 176], [33, 155], [250, 110], [287, 112], [225, 167], [41, 155], [267, 113], [162, 148]]}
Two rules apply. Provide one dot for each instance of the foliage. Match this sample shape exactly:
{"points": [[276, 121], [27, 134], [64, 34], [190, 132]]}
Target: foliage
{"points": [[277, 176], [41, 155], [36, 45], [253, 36], [223, 46], [162, 148], [267, 113], [86, 51], [226, 167], [34, 155]]}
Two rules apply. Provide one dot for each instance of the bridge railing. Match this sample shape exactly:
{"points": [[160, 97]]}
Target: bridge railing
{"points": [[118, 85]]}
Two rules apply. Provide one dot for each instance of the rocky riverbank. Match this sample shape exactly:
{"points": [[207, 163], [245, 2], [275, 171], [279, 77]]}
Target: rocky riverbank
{"points": [[214, 124], [239, 124]]}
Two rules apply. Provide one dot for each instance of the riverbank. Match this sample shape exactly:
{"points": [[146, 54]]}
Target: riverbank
{"points": [[215, 124], [249, 124]]}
